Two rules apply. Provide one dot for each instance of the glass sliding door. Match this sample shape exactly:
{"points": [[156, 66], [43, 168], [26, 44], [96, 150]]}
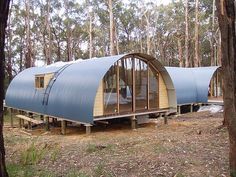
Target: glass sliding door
{"points": [[110, 91], [125, 85], [141, 85]]}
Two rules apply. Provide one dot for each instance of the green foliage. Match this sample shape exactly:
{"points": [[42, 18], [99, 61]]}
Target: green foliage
{"points": [[33, 155], [91, 148], [55, 153], [179, 175], [131, 18], [18, 170], [233, 173], [159, 148], [99, 170], [75, 173], [7, 117]]}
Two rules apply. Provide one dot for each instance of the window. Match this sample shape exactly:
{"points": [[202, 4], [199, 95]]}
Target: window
{"points": [[119, 93], [42, 80], [39, 81]]}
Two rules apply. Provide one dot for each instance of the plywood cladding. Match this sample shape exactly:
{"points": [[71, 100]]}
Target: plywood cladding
{"points": [[98, 104], [42, 80], [47, 78], [163, 95]]}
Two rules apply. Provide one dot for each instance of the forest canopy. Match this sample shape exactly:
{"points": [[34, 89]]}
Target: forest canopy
{"points": [[59, 30]]}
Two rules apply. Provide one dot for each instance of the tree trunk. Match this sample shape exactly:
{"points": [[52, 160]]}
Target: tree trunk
{"points": [[181, 63], [21, 54], [219, 51], [140, 37], [226, 18], [68, 33], [196, 38], [112, 29], [212, 42], [148, 34], [58, 53], [28, 54], [49, 45], [117, 42], [91, 34], [186, 35], [9, 52], [4, 10], [212, 52]]}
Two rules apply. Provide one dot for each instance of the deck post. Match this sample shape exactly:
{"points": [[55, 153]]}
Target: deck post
{"points": [[133, 122], [29, 125], [41, 117], [46, 119], [5, 110], [20, 123], [11, 117], [178, 109], [63, 127], [54, 122], [165, 119], [191, 107], [88, 128]]}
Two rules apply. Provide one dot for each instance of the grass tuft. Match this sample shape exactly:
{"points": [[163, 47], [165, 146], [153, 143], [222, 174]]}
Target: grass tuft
{"points": [[179, 175], [99, 170], [233, 173], [159, 148], [74, 173], [54, 155], [33, 155], [93, 148], [19, 170]]}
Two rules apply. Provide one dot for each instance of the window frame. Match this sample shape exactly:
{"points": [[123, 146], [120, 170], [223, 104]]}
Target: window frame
{"points": [[42, 80]]}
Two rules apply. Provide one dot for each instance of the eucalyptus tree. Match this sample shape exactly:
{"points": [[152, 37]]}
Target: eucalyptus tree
{"points": [[127, 23], [28, 54], [4, 9], [196, 61], [57, 30], [226, 17], [186, 34]]}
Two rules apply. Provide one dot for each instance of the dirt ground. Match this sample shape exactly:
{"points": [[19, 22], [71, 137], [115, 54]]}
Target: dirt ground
{"points": [[193, 145]]}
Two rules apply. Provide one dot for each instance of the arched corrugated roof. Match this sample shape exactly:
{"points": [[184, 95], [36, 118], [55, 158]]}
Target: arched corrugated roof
{"points": [[73, 93], [191, 84]]}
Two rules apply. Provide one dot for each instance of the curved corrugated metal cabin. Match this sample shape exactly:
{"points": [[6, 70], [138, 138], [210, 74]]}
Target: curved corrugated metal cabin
{"points": [[94, 89], [192, 85]]}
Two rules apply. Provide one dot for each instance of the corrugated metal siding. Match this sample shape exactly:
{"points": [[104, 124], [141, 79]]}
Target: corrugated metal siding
{"points": [[22, 93], [72, 95], [191, 84]]}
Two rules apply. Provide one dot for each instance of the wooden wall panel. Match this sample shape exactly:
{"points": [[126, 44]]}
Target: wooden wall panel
{"points": [[98, 104], [163, 96], [47, 78]]}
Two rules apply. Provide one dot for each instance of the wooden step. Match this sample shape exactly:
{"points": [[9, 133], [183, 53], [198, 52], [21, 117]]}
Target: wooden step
{"points": [[29, 119]]}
